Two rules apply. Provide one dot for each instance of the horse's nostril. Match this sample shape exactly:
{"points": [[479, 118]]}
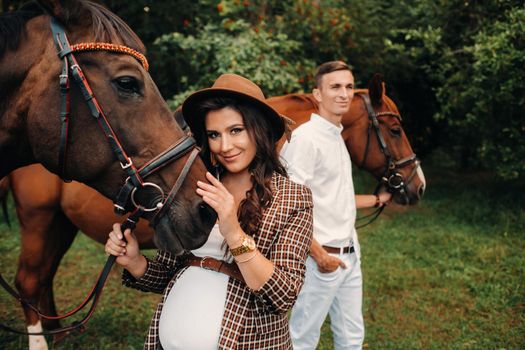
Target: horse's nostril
{"points": [[205, 210], [420, 191]]}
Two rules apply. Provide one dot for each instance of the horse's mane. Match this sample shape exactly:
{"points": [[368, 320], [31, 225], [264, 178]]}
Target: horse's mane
{"points": [[308, 98], [12, 26], [106, 26]]}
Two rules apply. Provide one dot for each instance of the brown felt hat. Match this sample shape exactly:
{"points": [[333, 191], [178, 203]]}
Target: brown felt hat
{"points": [[231, 86]]}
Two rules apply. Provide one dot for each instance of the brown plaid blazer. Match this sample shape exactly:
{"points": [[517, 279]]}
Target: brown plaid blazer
{"points": [[252, 319]]}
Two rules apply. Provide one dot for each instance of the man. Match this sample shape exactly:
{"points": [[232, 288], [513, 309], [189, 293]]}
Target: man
{"points": [[317, 157]]}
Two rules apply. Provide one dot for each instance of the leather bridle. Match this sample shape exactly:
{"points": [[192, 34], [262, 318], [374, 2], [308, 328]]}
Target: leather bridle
{"points": [[135, 180], [392, 179], [126, 197]]}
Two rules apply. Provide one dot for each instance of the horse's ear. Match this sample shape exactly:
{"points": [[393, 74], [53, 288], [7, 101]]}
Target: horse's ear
{"points": [[60, 9], [376, 89], [53, 7], [180, 120]]}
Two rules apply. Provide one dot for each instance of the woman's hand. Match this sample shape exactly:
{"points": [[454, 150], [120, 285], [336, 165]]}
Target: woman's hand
{"points": [[223, 202], [127, 253], [384, 197]]}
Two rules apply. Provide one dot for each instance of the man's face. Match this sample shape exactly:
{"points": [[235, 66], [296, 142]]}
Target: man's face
{"points": [[335, 93]]}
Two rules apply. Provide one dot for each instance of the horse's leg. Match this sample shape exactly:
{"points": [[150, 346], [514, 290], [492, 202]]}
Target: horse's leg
{"points": [[45, 239], [61, 235], [45, 236]]}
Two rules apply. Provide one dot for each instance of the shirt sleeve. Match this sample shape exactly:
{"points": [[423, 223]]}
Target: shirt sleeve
{"points": [[299, 155], [158, 274], [289, 255]]}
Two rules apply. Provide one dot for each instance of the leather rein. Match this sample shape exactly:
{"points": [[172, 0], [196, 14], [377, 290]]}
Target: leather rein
{"points": [[392, 179], [135, 181]]}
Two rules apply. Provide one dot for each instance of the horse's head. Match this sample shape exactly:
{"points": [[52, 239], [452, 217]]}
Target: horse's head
{"points": [[124, 142], [376, 141]]}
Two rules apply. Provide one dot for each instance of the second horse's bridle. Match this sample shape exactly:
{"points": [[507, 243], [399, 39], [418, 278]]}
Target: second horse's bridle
{"points": [[391, 178]]}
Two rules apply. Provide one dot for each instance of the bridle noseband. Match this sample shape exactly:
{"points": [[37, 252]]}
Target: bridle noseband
{"points": [[135, 181]]}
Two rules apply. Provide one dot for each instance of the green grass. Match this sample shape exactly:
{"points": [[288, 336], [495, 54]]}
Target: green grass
{"points": [[448, 273]]}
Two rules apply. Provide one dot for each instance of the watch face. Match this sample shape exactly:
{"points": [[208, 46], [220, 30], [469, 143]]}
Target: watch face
{"points": [[249, 242], [248, 245]]}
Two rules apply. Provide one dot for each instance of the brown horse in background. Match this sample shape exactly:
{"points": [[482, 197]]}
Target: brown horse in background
{"points": [[103, 108], [51, 212], [363, 144]]}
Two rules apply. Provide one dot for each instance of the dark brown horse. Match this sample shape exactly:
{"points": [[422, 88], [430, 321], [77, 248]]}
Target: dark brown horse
{"points": [[51, 211], [95, 117]]}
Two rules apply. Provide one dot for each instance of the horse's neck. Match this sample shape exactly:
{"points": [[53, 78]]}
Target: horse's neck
{"points": [[356, 114], [15, 64], [15, 73], [355, 129], [15, 149]]}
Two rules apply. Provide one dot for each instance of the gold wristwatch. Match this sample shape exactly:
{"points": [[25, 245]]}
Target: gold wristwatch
{"points": [[247, 245]]}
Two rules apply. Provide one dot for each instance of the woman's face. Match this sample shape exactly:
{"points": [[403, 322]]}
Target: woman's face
{"points": [[229, 140]]}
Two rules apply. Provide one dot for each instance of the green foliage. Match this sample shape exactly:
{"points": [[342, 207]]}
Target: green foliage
{"points": [[275, 43], [474, 65], [326, 30], [453, 70], [234, 47], [453, 67], [498, 93]]}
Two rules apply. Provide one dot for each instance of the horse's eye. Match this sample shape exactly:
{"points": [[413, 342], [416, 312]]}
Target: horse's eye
{"points": [[127, 85], [395, 132]]}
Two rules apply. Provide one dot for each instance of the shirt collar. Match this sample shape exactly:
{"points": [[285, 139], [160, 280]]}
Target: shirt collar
{"points": [[326, 125]]}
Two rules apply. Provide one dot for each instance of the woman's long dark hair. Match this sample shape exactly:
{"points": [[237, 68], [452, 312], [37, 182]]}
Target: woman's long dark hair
{"points": [[262, 167]]}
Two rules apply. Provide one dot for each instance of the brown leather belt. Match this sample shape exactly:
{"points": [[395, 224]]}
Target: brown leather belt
{"points": [[334, 250], [209, 263]]}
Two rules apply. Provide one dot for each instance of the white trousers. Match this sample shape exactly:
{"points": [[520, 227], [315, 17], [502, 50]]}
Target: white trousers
{"points": [[339, 293]]}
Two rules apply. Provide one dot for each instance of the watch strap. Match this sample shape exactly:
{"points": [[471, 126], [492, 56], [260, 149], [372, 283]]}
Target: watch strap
{"points": [[247, 245]]}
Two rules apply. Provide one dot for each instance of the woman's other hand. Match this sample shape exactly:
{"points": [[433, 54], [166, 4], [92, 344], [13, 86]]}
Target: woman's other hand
{"points": [[223, 202]]}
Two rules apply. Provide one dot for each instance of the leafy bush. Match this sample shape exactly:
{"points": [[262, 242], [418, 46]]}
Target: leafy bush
{"points": [[453, 67], [268, 59], [497, 92], [275, 43], [474, 69]]}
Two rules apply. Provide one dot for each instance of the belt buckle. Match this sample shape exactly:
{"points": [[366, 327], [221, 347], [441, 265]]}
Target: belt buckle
{"points": [[202, 261]]}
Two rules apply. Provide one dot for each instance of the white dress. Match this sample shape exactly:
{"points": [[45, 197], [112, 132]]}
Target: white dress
{"points": [[192, 314]]}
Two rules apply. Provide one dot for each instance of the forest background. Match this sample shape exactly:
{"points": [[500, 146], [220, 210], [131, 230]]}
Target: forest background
{"points": [[454, 67]]}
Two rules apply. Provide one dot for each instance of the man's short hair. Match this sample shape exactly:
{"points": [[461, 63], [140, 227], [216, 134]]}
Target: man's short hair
{"points": [[329, 67]]}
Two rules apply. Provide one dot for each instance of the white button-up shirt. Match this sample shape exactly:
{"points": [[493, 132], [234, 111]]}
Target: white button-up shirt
{"points": [[316, 156]]}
